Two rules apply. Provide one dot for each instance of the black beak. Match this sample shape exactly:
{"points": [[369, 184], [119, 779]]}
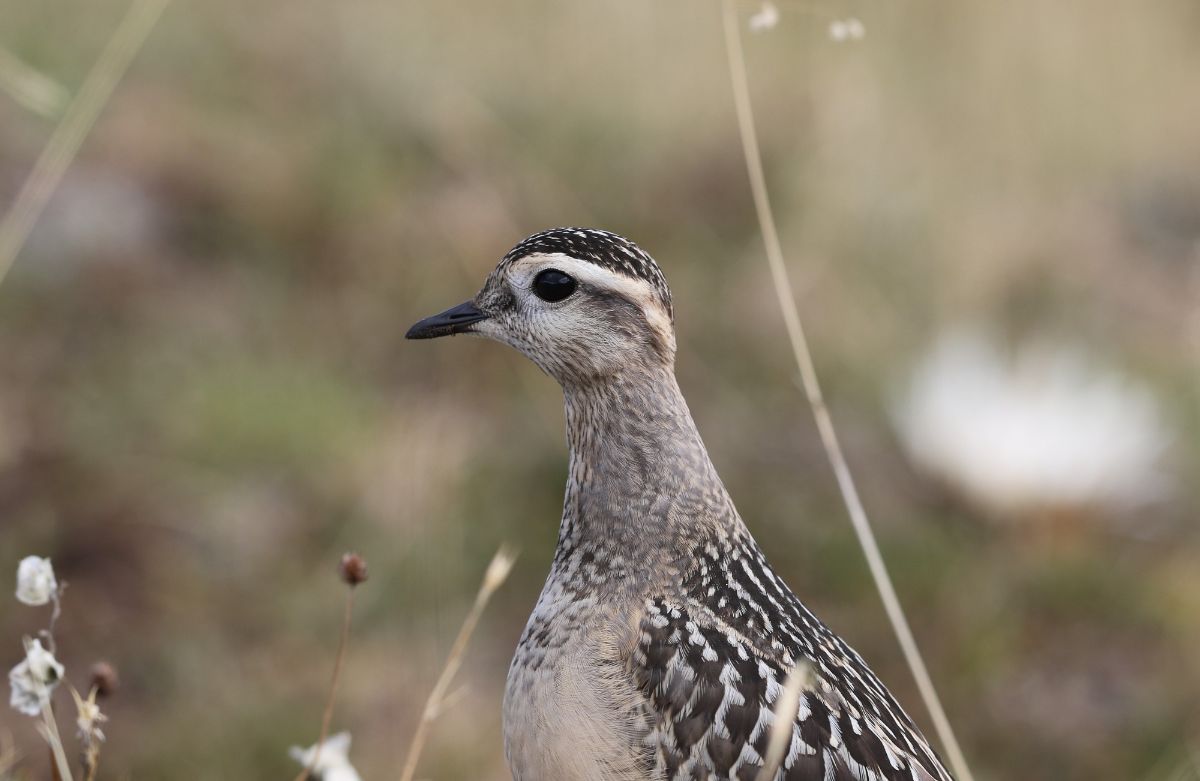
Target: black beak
{"points": [[456, 320]]}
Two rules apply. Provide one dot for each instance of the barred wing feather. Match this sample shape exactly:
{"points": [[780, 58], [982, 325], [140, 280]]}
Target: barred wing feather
{"points": [[711, 666]]}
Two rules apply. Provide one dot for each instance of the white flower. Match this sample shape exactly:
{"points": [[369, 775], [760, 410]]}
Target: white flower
{"points": [[89, 718], [1045, 430], [34, 678], [35, 581], [849, 29], [333, 764], [765, 19]]}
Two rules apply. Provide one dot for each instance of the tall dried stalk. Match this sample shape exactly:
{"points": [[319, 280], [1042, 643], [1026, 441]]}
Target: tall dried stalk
{"points": [[9, 756], [812, 389], [787, 705], [74, 126], [339, 662], [353, 572], [496, 574], [49, 730], [34, 90]]}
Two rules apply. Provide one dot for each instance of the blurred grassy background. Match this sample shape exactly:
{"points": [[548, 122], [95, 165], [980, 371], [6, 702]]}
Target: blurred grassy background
{"points": [[205, 397]]}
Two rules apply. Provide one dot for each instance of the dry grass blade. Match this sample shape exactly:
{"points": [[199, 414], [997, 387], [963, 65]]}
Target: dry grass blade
{"points": [[497, 573], [812, 389], [331, 697], [49, 731], [76, 123], [786, 707], [33, 90], [9, 756]]}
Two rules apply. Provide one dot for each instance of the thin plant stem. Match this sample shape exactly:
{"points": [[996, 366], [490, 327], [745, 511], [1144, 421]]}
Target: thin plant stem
{"points": [[812, 389], [496, 573], [327, 716], [787, 705], [47, 634], [74, 127], [88, 718], [32, 89], [91, 765], [50, 733], [9, 756]]}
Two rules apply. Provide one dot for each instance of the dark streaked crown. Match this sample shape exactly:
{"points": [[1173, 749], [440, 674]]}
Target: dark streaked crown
{"points": [[603, 248]]}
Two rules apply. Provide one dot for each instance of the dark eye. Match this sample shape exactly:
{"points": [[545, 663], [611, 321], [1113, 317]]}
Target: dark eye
{"points": [[553, 285]]}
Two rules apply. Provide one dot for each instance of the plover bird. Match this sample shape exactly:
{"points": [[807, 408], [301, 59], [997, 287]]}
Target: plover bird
{"points": [[662, 638]]}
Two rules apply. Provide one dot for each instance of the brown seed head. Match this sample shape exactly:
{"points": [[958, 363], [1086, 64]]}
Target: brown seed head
{"points": [[104, 679], [353, 569]]}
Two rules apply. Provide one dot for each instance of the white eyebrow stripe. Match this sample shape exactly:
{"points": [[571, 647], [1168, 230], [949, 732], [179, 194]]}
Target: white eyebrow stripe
{"points": [[637, 290]]}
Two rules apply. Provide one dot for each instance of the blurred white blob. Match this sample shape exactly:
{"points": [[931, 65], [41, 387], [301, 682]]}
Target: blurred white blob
{"points": [[98, 217], [33, 679], [765, 19], [849, 29], [334, 762], [1043, 430], [35, 581]]}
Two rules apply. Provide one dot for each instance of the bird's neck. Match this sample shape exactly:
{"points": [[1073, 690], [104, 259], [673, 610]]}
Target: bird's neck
{"points": [[641, 487]]}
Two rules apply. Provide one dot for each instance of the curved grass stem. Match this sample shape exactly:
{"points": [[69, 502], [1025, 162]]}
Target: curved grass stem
{"points": [[73, 128], [338, 664], [49, 730], [497, 572], [812, 390]]}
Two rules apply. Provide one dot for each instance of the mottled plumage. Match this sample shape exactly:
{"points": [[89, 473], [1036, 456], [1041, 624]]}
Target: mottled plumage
{"points": [[662, 637]]}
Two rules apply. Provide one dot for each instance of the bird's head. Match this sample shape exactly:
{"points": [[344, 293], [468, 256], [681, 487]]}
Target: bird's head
{"points": [[582, 304]]}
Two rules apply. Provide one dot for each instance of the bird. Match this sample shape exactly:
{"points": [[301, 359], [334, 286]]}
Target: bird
{"points": [[662, 638]]}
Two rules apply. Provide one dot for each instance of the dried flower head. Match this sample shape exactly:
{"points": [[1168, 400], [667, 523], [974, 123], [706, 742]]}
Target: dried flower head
{"points": [[849, 29], [353, 569], [765, 18], [332, 758], [35, 581], [498, 569], [34, 678], [88, 718], [104, 679]]}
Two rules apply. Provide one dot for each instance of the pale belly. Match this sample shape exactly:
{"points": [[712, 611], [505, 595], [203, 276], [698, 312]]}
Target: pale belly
{"points": [[571, 711]]}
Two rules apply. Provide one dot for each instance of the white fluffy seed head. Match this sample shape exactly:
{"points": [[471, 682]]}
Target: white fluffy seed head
{"points": [[332, 758], [33, 679], [766, 18], [36, 584], [848, 29]]}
